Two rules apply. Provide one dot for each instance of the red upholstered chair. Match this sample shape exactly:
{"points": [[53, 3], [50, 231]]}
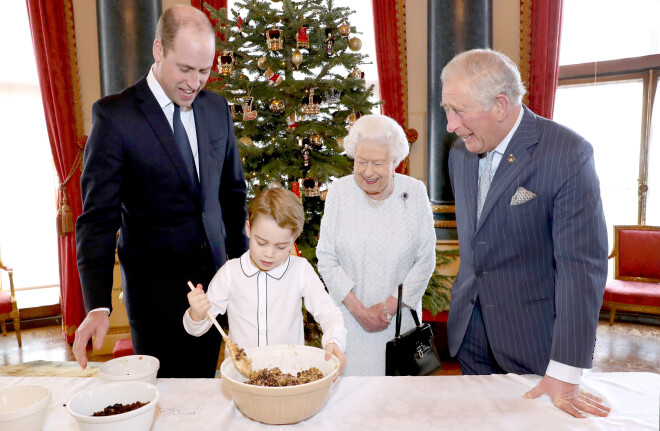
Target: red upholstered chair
{"points": [[8, 307], [636, 284]]}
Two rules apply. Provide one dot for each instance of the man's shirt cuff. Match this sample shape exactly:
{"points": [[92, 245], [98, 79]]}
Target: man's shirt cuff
{"points": [[563, 372], [106, 309]]}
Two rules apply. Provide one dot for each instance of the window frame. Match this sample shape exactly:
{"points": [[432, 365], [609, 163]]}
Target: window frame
{"points": [[646, 68]]}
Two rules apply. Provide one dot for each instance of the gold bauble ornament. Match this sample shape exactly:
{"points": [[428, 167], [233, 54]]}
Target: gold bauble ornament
{"points": [[355, 44], [245, 140], [340, 142], [277, 106], [323, 194], [316, 140], [344, 30], [297, 58]]}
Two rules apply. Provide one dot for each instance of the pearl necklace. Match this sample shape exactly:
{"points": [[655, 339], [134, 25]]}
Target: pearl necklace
{"points": [[373, 203]]}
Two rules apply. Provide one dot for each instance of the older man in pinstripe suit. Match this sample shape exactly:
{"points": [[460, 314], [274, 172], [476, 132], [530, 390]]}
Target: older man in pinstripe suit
{"points": [[531, 231]]}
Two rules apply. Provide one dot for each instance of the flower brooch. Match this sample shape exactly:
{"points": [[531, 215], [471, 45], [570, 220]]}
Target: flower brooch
{"points": [[404, 196]]}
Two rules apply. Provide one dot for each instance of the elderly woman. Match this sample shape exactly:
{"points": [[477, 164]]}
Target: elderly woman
{"points": [[376, 233]]}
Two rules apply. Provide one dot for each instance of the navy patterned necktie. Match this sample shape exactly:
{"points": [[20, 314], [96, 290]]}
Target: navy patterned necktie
{"points": [[184, 145]]}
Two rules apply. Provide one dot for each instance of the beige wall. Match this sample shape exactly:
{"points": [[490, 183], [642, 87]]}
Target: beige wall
{"points": [[506, 31], [506, 38]]}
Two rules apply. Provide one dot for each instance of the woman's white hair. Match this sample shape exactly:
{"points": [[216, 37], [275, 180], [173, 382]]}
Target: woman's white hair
{"points": [[379, 129], [490, 74]]}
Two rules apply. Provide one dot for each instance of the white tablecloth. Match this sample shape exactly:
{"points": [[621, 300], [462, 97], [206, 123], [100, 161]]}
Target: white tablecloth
{"points": [[481, 403]]}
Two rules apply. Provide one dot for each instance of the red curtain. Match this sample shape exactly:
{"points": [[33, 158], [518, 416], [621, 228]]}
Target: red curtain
{"points": [[390, 38], [539, 46], [51, 23]]}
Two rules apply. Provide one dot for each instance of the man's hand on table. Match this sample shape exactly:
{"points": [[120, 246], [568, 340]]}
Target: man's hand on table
{"points": [[569, 397], [95, 324]]}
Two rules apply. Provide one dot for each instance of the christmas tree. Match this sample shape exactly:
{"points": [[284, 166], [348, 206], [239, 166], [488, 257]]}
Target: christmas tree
{"points": [[290, 71]]}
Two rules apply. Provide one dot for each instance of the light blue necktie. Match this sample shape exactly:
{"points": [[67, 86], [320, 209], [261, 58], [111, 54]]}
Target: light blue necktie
{"points": [[485, 178], [184, 145]]}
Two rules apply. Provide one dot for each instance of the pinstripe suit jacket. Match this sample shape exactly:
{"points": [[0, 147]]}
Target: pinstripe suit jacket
{"points": [[538, 268]]}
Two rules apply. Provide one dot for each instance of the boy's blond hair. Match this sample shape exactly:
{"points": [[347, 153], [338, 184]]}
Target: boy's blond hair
{"points": [[281, 205]]}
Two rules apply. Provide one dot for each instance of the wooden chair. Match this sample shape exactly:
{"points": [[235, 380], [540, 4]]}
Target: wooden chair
{"points": [[636, 284], [8, 307]]}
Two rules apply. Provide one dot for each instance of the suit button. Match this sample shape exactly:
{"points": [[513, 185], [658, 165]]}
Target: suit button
{"points": [[203, 246], [478, 273]]}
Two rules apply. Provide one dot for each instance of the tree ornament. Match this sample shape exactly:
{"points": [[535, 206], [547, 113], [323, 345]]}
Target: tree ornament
{"points": [[261, 63], [302, 40], [323, 194], [355, 44], [329, 41], [344, 30], [226, 63], [333, 95], [274, 79], [357, 74], [291, 122], [316, 140], [236, 110], [340, 143], [311, 105], [297, 58], [352, 118], [277, 106], [311, 187], [246, 140], [275, 39], [306, 150], [248, 113]]}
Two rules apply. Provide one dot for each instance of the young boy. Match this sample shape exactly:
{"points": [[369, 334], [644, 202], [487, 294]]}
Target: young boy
{"points": [[262, 291]]}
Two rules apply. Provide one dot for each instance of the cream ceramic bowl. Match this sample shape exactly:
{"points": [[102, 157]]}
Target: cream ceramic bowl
{"points": [[281, 405], [23, 407], [83, 405], [134, 367]]}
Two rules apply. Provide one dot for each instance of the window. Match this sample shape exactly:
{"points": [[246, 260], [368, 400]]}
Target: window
{"points": [[607, 93], [28, 239]]}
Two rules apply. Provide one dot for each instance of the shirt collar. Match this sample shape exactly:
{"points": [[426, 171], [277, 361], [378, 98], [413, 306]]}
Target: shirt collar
{"points": [[501, 148], [157, 90], [250, 269]]}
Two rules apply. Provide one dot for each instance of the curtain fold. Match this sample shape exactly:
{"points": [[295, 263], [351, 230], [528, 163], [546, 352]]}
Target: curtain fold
{"points": [[51, 24], [391, 56], [540, 31]]}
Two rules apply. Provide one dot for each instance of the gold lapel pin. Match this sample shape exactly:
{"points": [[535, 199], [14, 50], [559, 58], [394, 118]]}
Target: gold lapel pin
{"points": [[511, 159]]}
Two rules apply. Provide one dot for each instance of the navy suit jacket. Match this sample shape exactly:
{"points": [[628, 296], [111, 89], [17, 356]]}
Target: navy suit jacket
{"points": [[538, 268], [135, 181]]}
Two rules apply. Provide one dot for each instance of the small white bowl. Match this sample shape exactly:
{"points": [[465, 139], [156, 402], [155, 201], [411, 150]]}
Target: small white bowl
{"points": [[281, 405], [134, 367], [83, 405], [23, 407]]}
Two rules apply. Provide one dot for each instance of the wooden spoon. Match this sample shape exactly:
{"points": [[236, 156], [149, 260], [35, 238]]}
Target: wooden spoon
{"points": [[238, 356]]}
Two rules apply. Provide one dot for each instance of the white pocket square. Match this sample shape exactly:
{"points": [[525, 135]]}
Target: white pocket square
{"points": [[521, 196]]}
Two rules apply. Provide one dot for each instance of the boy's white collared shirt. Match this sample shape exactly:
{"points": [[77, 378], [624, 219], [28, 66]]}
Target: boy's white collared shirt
{"points": [[265, 308]]}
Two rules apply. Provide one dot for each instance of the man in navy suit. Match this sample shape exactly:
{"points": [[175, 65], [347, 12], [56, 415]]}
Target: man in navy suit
{"points": [[531, 231], [162, 167]]}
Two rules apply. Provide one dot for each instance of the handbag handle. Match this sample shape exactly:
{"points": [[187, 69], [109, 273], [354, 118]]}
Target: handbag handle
{"points": [[398, 314]]}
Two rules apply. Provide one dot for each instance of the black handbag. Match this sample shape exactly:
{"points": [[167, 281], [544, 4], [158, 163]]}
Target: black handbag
{"points": [[413, 353]]}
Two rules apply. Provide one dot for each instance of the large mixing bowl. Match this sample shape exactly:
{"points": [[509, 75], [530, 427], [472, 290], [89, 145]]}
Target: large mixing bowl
{"points": [[281, 405]]}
